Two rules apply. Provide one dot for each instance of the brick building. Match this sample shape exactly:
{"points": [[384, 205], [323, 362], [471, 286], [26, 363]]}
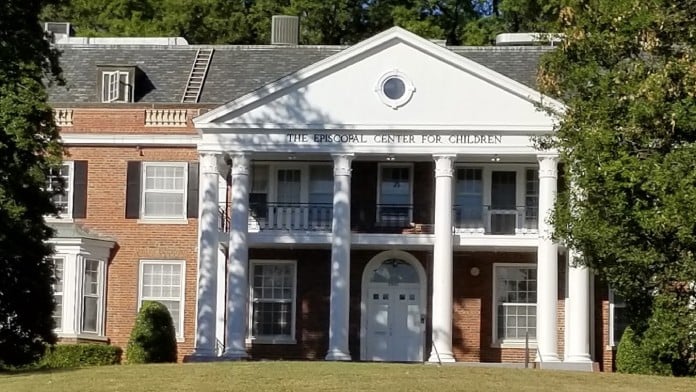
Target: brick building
{"points": [[379, 202]]}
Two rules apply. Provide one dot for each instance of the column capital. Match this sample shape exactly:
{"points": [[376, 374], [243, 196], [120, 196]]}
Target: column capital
{"points": [[208, 163], [342, 163], [548, 165], [241, 163], [443, 164]]}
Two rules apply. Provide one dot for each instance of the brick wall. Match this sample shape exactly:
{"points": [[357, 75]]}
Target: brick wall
{"points": [[135, 241], [472, 308]]}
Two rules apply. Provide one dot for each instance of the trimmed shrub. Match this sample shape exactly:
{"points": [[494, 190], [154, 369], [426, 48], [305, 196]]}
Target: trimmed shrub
{"points": [[153, 338], [81, 354], [630, 358]]}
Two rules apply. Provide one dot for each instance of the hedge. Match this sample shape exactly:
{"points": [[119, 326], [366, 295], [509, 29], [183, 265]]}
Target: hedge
{"points": [[81, 354]]}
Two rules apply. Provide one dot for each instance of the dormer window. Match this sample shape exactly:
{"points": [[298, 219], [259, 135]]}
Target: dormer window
{"points": [[116, 84]]}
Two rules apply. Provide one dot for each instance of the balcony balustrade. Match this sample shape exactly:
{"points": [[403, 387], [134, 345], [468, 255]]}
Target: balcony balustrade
{"points": [[495, 220], [385, 218]]}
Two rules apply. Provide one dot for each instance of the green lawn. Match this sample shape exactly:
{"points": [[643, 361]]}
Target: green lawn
{"points": [[328, 376]]}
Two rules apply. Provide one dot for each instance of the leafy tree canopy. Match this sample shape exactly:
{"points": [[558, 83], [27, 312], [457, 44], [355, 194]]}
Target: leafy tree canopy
{"points": [[470, 22], [627, 73], [28, 147]]}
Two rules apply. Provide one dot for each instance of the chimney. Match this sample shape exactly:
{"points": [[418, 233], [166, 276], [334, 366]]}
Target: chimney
{"points": [[59, 30], [285, 30]]}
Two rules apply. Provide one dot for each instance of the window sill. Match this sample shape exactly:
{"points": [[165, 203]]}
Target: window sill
{"points": [[514, 344], [163, 221], [58, 219], [82, 336], [270, 340]]}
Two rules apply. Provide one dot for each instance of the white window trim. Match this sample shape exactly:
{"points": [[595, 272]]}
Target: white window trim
{"points": [[409, 166], [612, 306], [101, 280], [156, 219], [66, 217], [108, 94], [496, 342], [271, 339], [182, 295]]}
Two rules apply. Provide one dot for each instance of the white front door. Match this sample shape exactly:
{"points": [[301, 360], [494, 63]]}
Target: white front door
{"points": [[394, 325]]}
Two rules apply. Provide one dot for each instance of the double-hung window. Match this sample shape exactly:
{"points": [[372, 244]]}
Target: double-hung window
{"points": [[164, 190], [163, 282], [91, 296], [59, 180], [515, 296], [58, 270], [272, 313]]}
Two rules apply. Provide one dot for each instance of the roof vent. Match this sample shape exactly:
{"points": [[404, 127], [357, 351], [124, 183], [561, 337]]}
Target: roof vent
{"points": [[285, 30], [60, 30]]}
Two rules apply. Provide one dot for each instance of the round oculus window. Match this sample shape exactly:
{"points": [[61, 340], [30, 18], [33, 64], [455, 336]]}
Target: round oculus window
{"points": [[394, 88]]}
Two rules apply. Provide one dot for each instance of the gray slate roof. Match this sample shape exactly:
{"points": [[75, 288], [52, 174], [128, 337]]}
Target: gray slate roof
{"points": [[234, 70], [74, 230]]}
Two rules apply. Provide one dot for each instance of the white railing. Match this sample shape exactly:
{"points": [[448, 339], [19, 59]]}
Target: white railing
{"points": [[63, 117], [165, 117]]}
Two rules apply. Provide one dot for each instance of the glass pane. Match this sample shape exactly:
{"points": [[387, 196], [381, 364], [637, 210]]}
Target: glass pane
{"points": [[394, 271], [58, 311], [289, 186], [259, 179], [89, 314], [271, 318], [90, 281], [164, 204], [503, 190]]}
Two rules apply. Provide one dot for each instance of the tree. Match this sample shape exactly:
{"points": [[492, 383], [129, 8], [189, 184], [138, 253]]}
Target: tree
{"points": [[627, 74], [328, 22], [29, 145]]}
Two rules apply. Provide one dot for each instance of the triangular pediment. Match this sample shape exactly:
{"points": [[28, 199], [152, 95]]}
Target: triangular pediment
{"points": [[441, 90]]}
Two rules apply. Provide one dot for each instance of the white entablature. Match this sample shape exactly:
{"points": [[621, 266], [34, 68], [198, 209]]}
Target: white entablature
{"points": [[394, 83]]}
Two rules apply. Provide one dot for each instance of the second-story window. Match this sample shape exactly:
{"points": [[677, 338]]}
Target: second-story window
{"points": [[63, 199], [164, 190]]}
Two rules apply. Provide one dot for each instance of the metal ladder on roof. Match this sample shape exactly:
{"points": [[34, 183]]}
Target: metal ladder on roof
{"points": [[196, 78]]}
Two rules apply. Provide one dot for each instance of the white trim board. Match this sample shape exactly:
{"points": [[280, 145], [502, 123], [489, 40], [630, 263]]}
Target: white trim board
{"points": [[94, 139]]}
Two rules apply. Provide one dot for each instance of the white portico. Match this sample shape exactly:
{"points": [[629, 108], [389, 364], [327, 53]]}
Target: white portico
{"points": [[396, 105]]}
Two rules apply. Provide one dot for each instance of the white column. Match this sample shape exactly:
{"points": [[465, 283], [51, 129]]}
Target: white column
{"points": [[340, 261], [547, 264], [578, 328], [442, 262], [208, 238], [237, 275]]}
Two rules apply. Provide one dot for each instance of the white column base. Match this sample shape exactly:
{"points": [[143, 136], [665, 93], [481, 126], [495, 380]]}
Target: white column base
{"points": [[337, 355], [579, 359], [552, 357], [441, 358]]}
